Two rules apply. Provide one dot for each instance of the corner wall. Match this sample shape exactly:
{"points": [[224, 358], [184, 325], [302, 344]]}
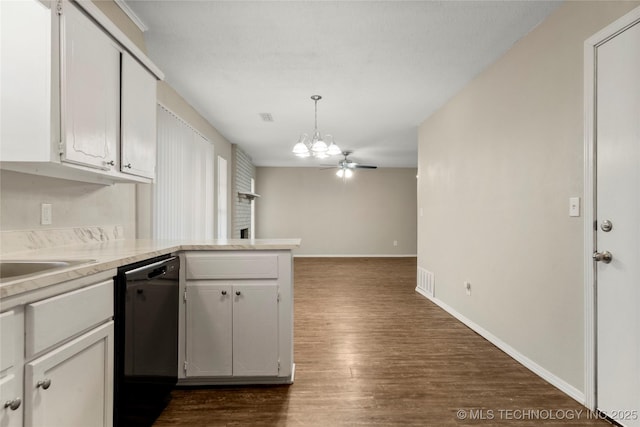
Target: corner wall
{"points": [[243, 172], [497, 165], [362, 215]]}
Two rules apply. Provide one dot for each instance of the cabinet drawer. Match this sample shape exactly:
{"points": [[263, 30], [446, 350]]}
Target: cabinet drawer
{"points": [[8, 333], [231, 266], [56, 319]]}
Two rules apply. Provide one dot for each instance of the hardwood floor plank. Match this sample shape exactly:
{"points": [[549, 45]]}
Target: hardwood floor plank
{"points": [[370, 351]]}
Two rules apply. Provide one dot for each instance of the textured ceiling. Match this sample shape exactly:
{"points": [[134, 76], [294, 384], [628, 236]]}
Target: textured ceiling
{"points": [[382, 67]]}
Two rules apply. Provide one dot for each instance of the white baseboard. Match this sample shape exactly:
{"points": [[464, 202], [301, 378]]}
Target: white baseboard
{"points": [[354, 256], [554, 380]]}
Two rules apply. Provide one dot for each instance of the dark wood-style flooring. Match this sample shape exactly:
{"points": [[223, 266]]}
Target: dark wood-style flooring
{"points": [[369, 350]]}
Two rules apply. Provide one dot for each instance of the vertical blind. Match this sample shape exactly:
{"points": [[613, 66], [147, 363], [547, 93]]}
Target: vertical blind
{"points": [[183, 195], [222, 198]]}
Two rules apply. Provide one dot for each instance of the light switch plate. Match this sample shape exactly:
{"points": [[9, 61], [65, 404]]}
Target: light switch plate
{"points": [[574, 206], [46, 214]]}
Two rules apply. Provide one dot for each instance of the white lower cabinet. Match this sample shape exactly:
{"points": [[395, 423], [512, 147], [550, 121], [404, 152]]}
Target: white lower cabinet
{"points": [[11, 400], [73, 384], [237, 319], [232, 328], [11, 354], [56, 356]]}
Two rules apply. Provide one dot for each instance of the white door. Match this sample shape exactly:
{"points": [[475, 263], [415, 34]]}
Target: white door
{"points": [[11, 400], [72, 385], [618, 226], [255, 328], [90, 92], [209, 329], [138, 119]]}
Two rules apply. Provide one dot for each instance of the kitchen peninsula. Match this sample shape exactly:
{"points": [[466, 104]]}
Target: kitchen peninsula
{"points": [[235, 321]]}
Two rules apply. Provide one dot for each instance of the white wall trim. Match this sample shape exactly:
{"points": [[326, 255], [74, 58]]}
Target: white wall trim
{"points": [[590, 331], [132, 15], [354, 256], [551, 378]]}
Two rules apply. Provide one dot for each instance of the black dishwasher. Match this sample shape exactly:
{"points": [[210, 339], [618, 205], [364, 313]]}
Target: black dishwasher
{"points": [[146, 339]]}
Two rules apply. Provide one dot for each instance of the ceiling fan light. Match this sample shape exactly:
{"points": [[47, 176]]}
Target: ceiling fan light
{"points": [[333, 149], [340, 173], [348, 173]]}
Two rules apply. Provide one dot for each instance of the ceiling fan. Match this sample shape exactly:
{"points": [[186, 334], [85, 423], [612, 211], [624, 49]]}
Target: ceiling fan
{"points": [[346, 166]]}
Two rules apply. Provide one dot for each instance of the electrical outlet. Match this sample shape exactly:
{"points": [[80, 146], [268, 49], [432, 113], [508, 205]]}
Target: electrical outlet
{"points": [[395, 243], [46, 214], [467, 287]]}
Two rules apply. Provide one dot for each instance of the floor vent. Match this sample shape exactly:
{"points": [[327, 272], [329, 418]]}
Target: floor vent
{"points": [[426, 282]]}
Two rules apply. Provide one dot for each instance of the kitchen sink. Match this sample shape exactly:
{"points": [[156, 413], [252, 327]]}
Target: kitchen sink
{"points": [[11, 270]]}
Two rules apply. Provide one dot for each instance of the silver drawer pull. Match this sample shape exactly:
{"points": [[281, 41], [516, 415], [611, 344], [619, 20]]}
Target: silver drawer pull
{"points": [[238, 293], [13, 404], [224, 292], [45, 384]]}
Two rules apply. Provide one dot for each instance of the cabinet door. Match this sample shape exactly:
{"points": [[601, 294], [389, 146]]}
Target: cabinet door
{"points": [[255, 328], [90, 92], [138, 155], [73, 384], [25, 79], [209, 331], [11, 350], [11, 401]]}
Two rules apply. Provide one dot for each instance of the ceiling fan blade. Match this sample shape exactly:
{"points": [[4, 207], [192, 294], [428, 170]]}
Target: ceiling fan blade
{"points": [[365, 166]]}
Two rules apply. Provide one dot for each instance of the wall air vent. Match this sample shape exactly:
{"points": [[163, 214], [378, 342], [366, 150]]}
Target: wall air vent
{"points": [[426, 283], [266, 117]]}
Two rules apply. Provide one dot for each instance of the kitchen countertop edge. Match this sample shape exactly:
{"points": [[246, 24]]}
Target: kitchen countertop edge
{"points": [[110, 255]]}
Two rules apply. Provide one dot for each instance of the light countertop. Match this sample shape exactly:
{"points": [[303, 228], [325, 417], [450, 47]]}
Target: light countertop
{"points": [[110, 255]]}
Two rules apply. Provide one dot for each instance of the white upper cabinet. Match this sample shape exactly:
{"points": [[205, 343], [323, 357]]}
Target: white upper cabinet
{"points": [[90, 92], [78, 96], [138, 155], [25, 78]]}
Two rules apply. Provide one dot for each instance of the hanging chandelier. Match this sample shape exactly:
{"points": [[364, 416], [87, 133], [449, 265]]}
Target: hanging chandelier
{"points": [[317, 145]]}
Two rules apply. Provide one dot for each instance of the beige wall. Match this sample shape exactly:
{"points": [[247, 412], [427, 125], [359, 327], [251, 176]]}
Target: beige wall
{"points": [[362, 216], [497, 166], [73, 203]]}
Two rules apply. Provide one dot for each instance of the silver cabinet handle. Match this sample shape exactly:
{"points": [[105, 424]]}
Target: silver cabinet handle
{"points": [[237, 292], [128, 166], [224, 292], [110, 163], [604, 256], [13, 404], [45, 384]]}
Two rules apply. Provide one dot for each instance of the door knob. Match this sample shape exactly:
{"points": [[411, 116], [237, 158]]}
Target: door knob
{"points": [[13, 404], [45, 384], [604, 256]]}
